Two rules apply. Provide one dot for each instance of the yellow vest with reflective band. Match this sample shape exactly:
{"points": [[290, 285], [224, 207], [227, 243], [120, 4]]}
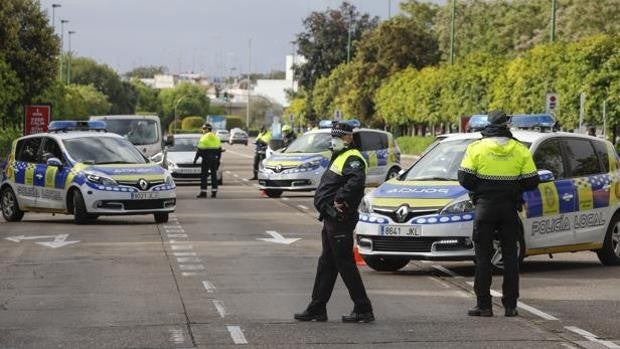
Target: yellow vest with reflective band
{"points": [[338, 164], [209, 141], [264, 136], [493, 160]]}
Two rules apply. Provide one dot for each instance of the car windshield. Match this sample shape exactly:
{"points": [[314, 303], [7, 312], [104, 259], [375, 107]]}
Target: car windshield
{"points": [[184, 144], [310, 143], [441, 162], [103, 150], [137, 131]]}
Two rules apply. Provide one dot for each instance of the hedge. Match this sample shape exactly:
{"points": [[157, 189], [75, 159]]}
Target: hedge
{"points": [[413, 145], [7, 136], [192, 122]]}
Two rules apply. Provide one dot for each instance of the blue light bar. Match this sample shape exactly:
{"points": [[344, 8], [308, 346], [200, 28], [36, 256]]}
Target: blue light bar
{"points": [[532, 121], [328, 123], [478, 122], [72, 125]]}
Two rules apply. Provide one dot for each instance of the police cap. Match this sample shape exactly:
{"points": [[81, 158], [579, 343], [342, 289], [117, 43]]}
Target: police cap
{"points": [[498, 117], [340, 129]]}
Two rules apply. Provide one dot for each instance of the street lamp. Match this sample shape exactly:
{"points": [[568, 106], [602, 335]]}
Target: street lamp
{"points": [[553, 11], [70, 32], [62, 46], [176, 116], [452, 30], [54, 6]]}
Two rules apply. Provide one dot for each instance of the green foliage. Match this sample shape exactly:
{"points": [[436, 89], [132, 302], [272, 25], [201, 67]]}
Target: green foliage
{"points": [[10, 88], [7, 136], [192, 122], [413, 145], [185, 99], [147, 102], [82, 101], [233, 121], [146, 72]]}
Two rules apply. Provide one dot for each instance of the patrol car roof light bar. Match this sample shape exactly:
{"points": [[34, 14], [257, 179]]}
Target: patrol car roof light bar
{"points": [[73, 125], [328, 123]]}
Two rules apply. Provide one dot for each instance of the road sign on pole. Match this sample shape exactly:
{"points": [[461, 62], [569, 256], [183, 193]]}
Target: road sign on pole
{"points": [[37, 118], [551, 102], [582, 104], [337, 115]]}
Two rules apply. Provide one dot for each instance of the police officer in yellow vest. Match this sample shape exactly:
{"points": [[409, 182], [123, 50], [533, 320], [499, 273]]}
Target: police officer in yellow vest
{"points": [[337, 199], [210, 150], [497, 170], [262, 142]]}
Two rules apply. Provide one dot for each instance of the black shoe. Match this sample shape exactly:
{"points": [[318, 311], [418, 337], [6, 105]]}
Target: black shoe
{"points": [[202, 195], [311, 316], [213, 194], [359, 317], [477, 311], [510, 312], [253, 179]]}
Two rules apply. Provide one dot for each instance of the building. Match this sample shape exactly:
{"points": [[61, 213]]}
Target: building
{"points": [[275, 90]]}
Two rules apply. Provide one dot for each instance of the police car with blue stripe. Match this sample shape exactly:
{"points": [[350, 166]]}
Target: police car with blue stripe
{"points": [[425, 214], [78, 168]]}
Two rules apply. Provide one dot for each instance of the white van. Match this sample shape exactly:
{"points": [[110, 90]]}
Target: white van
{"points": [[143, 131]]}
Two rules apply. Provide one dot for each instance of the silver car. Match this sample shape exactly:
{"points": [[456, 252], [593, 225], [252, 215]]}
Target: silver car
{"points": [[223, 135]]}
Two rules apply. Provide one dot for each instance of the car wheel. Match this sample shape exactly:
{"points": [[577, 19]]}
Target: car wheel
{"points": [[80, 213], [386, 263], [609, 254], [10, 206], [497, 259], [393, 172], [161, 217], [273, 193]]}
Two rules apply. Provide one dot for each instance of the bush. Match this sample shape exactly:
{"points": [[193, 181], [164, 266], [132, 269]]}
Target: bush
{"points": [[192, 122], [413, 145], [7, 136], [234, 121]]}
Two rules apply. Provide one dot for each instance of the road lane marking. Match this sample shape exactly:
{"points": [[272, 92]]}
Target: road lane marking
{"points": [[245, 180], [236, 175], [592, 337], [445, 270], [219, 306], [188, 260], [183, 254], [227, 172], [177, 336], [177, 235], [189, 273], [303, 207], [440, 282], [237, 335], [277, 238], [285, 199], [208, 286], [192, 267], [182, 247]]}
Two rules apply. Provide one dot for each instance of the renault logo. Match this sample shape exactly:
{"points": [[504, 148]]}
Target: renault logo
{"points": [[278, 168], [402, 213], [143, 184]]}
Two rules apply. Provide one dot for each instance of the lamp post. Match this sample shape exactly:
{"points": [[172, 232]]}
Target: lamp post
{"points": [[553, 11], [70, 32], [54, 6], [389, 9], [62, 46], [349, 38], [452, 32], [247, 109], [176, 116]]}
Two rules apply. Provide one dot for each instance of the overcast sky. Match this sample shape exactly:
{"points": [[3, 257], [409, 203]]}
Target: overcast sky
{"points": [[210, 36]]}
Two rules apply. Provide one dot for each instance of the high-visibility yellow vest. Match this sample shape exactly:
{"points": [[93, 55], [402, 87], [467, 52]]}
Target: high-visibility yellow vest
{"points": [[493, 160], [209, 141], [338, 164], [264, 136]]}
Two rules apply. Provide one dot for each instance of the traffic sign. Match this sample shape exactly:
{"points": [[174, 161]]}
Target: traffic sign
{"points": [[551, 102], [337, 115], [37, 118]]}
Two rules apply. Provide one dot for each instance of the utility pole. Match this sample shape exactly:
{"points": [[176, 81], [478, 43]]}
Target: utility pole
{"points": [[349, 38], [62, 46], [389, 9], [70, 57], [553, 11], [247, 109], [452, 30], [54, 6]]}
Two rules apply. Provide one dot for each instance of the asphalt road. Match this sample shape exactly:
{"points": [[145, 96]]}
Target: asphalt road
{"points": [[207, 280]]}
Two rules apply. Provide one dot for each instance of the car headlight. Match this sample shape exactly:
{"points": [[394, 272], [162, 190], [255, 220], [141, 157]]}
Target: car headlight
{"points": [[310, 164], [462, 206], [171, 165], [366, 204], [97, 178], [169, 180]]}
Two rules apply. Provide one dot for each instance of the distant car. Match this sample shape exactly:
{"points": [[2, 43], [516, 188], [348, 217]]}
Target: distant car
{"points": [[238, 137], [223, 135], [180, 159]]}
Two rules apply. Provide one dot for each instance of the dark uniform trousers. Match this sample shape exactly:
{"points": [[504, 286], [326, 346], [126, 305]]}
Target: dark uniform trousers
{"points": [[337, 258], [501, 220], [209, 166]]}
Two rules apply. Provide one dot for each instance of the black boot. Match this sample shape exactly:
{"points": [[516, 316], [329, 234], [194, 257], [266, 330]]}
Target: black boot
{"points": [[213, 194], [359, 317], [478, 311], [202, 195], [311, 315], [510, 312]]}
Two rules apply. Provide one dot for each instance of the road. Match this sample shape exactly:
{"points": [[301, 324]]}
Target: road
{"points": [[208, 279]]}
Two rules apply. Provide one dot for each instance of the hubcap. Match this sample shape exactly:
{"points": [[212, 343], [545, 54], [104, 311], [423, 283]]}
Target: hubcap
{"points": [[615, 239], [8, 203]]}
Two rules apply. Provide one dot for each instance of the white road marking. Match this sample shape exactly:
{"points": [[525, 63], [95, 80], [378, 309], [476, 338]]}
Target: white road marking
{"points": [[177, 235], [236, 175], [245, 180], [237, 335], [208, 286], [447, 271], [192, 267], [303, 207], [189, 273], [60, 240], [566, 345], [227, 172], [276, 238], [285, 199], [440, 282], [592, 337], [175, 230], [182, 247], [188, 260], [177, 336], [183, 254], [219, 305], [240, 154]]}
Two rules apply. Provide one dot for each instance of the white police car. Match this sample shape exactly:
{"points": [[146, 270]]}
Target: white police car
{"points": [[78, 168], [426, 214]]}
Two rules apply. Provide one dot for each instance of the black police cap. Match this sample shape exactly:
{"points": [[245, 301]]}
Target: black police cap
{"points": [[340, 129], [498, 117]]}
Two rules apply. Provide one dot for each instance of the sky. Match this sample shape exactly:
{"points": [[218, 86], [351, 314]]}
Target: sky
{"points": [[205, 36]]}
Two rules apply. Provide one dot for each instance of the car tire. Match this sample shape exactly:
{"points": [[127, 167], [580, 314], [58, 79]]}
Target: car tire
{"points": [[386, 263], [161, 217], [497, 260], [220, 181], [10, 206], [273, 193], [80, 214], [393, 172], [609, 254]]}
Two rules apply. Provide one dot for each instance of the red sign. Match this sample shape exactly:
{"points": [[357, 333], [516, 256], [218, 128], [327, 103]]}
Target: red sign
{"points": [[37, 118]]}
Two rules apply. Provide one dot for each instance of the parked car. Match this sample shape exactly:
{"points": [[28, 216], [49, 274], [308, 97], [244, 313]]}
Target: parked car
{"points": [[223, 135], [238, 136]]}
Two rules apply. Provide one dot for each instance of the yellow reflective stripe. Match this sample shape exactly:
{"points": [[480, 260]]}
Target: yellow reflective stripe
{"points": [[567, 248], [550, 199], [29, 176], [282, 163], [338, 164], [468, 162], [373, 161], [137, 177], [413, 203], [584, 193], [50, 176], [73, 172]]}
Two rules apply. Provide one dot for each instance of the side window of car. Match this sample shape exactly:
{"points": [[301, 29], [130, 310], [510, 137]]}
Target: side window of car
{"points": [[28, 149], [582, 159], [548, 157], [51, 149], [373, 140], [601, 151]]}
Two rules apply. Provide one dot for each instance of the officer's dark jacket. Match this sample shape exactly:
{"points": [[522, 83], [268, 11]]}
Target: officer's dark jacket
{"points": [[343, 181], [498, 170]]}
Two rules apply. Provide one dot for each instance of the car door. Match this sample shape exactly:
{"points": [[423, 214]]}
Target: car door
{"points": [[26, 159], [591, 184], [373, 146], [50, 180], [550, 207]]}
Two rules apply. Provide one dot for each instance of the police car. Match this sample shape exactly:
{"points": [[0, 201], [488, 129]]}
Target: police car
{"points": [[300, 166], [78, 168], [425, 214]]}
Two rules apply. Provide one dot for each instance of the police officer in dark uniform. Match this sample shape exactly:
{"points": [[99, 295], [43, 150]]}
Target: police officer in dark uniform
{"points": [[262, 142], [337, 198], [497, 170], [210, 150]]}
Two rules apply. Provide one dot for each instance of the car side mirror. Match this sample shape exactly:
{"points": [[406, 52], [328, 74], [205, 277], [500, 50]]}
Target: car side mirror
{"points": [[546, 176], [54, 162], [169, 141]]}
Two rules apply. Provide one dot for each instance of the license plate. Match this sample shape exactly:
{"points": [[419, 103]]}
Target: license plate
{"points": [[401, 230], [190, 170], [144, 196]]}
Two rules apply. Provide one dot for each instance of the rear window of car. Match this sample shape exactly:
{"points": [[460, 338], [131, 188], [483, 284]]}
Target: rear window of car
{"points": [[372, 140], [582, 158], [28, 149], [601, 151], [548, 157]]}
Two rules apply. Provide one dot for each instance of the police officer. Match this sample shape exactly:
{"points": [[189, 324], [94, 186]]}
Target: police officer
{"points": [[497, 170], [339, 194], [288, 135], [262, 141], [210, 150]]}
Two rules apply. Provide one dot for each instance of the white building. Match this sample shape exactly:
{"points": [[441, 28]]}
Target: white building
{"points": [[275, 90]]}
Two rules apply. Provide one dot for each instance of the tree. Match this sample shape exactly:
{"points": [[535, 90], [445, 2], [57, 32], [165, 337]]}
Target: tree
{"points": [[29, 48], [146, 72], [183, 100], [10, 89], [83, 101], [147, 101]]}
